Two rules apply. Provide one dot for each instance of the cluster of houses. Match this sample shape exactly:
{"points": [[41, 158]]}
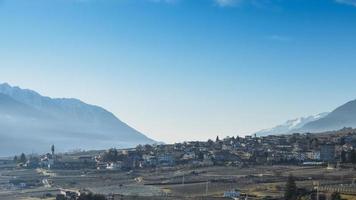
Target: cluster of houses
{"points": [[237, 151], [331, 147], [53, 161]]}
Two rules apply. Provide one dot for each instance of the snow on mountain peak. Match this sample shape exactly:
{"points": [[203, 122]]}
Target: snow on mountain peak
{"points": [[290, 125]]}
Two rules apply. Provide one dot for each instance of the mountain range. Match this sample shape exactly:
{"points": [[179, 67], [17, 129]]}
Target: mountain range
{"points": [[290, 125], [341, 117], [30, 122]]}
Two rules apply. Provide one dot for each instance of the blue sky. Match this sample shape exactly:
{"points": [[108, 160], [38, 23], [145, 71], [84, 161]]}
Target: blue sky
{"points": [[185, 69]]}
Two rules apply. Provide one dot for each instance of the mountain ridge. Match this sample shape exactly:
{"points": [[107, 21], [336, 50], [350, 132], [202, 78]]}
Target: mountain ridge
{"points": [[339, 118], [70, 122], [342, 116], [290, 126]]}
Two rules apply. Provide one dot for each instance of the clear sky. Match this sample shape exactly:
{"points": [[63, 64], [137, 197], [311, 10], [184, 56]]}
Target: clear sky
{"points": [[181, 70]]}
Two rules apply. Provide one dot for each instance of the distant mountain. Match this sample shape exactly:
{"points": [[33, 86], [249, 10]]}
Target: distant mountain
{"points": [[30, 122], [343, 116], [290, 126]]}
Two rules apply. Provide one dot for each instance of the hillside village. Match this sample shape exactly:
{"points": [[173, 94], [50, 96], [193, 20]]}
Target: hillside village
{"points": [[193, 163], [299, 149]]}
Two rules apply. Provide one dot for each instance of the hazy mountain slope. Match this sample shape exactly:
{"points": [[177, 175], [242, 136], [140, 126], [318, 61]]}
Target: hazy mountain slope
{"points": [[290, 126], [31, 121], [343, 116], [10, 107]]}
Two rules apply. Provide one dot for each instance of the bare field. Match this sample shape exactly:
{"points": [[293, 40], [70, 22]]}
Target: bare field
{"points": [[178, 182]]}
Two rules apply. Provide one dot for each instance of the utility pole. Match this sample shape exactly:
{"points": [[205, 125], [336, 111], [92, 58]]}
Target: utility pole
{"points": [[317, 191], [166, 195], [183, 179], [206, 188]]}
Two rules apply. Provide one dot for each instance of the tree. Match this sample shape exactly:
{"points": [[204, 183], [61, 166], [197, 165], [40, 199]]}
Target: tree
{"points": [[210, 142], [139, 148], [217, 139], [60, 197], [343, 156], [200, 155], [111, 155], [23, 158], [353, 156], [91, 196], [291, 190], [335, 196], [16, 159]]}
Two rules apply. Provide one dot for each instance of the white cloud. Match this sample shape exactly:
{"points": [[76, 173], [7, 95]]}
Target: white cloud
{"points": [[348, 2]]}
